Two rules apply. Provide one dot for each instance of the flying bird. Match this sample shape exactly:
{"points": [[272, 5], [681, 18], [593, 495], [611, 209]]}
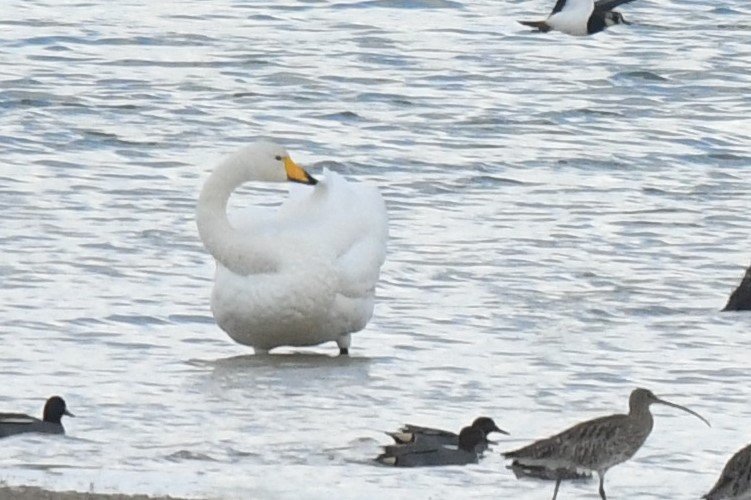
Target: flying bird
{"points": [[581, 17]]}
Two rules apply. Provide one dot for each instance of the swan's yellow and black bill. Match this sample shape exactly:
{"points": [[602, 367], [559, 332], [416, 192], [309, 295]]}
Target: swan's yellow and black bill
{"points": [[296, 173]]}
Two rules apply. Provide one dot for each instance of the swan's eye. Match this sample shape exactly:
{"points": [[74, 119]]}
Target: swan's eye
{"points": [[278, 158]]}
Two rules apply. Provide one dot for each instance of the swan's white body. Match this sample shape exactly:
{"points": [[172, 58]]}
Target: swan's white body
{"points": [[573, 18], [302, 274]]}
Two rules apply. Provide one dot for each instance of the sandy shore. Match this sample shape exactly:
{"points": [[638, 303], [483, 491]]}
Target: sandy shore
{"points": [[35, 493]]}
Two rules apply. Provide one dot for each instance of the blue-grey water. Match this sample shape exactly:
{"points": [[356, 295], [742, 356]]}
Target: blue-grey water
{"points": [[567, 217]]}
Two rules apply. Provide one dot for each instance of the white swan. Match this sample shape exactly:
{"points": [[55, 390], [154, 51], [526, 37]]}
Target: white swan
{"points": [[302, 274]]}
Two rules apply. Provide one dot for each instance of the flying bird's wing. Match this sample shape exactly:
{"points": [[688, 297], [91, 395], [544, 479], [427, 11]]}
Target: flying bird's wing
{"points": [[559, 5], [609, 4], [572, 5]]}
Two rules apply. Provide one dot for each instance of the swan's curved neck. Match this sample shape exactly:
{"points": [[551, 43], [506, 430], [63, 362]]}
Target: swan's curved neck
{"points": [[235, 251]]}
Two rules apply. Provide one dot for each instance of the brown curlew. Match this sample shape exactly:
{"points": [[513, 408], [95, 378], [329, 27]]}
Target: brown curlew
{"points": [[735, 480], [599, 444]]}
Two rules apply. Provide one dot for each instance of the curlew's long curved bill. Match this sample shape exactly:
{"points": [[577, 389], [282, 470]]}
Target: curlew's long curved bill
{"points": [[692, 412]]}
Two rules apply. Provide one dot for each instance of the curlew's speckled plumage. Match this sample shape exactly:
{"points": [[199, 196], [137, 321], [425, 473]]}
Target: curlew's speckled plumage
{"points": [[599, 444], [735, 480], [539, 472]]}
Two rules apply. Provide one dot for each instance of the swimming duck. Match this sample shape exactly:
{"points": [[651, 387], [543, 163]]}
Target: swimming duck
{"points": [[51, 423], [581, 17], [299, 275], [430, 437], [466, 452]]}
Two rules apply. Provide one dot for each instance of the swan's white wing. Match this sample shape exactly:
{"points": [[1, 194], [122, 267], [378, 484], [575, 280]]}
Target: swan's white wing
{"points": [[360, 266], [345, 222], [350, 222], [328, 243], [336, 214], [360, 263], [361, 256]]}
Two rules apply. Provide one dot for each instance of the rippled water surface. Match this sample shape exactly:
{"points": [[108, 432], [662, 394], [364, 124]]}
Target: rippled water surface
{"points": [[567, 217]]}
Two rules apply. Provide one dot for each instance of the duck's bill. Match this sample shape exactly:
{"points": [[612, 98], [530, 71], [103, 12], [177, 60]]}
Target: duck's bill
{"points": [[692, 412], [296, 173], [66, 412], [498, 429], [623, 21]]}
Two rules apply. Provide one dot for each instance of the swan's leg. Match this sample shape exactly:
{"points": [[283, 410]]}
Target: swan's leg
{"points": [[260, 351], [343, 342]]}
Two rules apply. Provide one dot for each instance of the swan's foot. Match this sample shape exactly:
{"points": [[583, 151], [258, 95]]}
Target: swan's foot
{"points": [[343, 342], [259, 351]]}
